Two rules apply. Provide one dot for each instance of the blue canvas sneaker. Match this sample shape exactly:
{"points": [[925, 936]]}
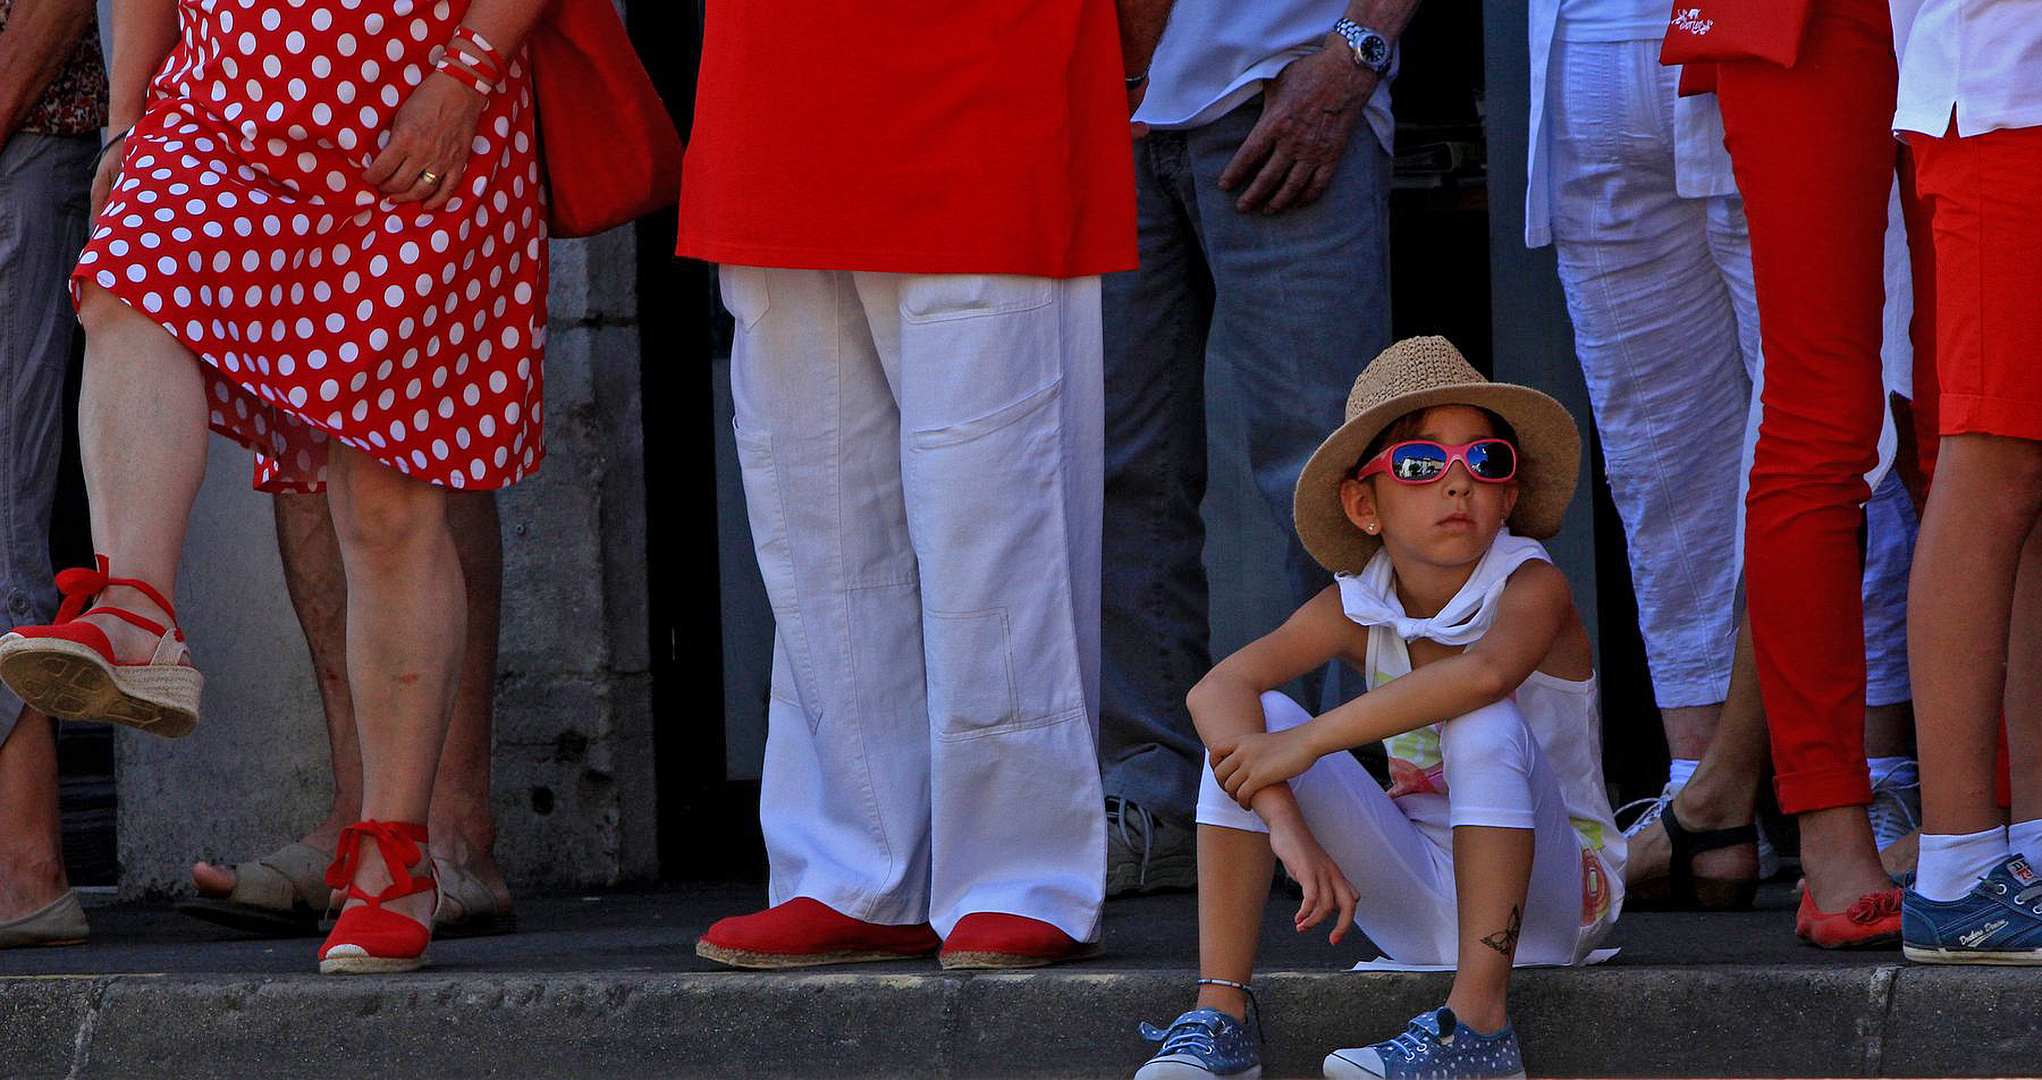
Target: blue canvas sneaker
{"points": [[1434, 1045], [1200, 1044], [1998, 922]]}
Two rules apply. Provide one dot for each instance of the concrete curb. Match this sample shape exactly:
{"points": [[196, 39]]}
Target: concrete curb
{"points": [[1637, 1021]]}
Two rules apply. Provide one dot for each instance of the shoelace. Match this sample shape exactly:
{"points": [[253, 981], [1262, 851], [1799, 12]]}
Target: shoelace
{"points": [[1117, 808], [1193, 1034], [2026, 897], [397, 850], [1412, 1042], [1897, 806], [1872, 907], [1650, 809]]}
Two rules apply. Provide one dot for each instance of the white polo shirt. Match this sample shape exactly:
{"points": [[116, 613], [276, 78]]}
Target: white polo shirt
{"points": [[1982, 58], [1216, 54]]}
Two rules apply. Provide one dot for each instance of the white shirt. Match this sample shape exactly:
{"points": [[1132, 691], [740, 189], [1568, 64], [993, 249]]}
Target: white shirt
{"points": [[1982, 58], [1701, 165], [1216, 54]]}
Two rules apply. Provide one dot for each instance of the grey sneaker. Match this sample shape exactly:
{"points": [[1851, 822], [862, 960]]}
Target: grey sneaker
{"points": [[1199, 1045], [1435, 1044], [1146, 853]]}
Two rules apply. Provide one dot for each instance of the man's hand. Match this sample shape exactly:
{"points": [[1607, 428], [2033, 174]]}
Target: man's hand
{"points": [[1327, 890], [1256, 760], [1308, 113], [107, 175]]}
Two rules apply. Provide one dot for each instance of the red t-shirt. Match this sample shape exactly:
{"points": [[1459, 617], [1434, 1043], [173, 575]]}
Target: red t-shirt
{"points": [[917, 136]]}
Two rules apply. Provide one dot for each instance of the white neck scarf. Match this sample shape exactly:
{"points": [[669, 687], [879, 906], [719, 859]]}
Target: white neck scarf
{"points": [[1370, 599]]}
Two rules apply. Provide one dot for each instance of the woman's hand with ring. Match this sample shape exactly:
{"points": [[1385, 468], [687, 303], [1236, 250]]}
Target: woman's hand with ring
{"points": [[429, 143]]}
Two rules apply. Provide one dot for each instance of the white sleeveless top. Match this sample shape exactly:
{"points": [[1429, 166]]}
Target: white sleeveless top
{"points": [[1564, 715]]}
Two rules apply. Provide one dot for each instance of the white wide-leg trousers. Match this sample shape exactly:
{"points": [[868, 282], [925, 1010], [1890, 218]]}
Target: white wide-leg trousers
{"points": [[922, 459]]}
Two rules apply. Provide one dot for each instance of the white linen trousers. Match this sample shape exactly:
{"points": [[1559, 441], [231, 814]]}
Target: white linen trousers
{"points": [[923, 462], [1665, 312]]}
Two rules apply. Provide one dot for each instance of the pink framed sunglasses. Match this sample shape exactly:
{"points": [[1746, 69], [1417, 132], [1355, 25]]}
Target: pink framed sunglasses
{"points": [[1421, 461]]}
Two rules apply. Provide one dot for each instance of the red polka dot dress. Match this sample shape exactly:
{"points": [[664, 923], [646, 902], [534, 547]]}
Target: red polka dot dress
{"points": [[319, 310]]}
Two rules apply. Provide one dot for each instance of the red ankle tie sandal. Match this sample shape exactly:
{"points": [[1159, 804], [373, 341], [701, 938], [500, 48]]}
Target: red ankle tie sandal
{"points": [[367, 939], [67, 669]]}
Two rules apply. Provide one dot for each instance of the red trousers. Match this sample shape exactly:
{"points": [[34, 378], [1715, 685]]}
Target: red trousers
{"points": [[1814, 155]]}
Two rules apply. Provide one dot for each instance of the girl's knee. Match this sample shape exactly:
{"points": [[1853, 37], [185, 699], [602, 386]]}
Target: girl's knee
{"points": [[1494, 734], [1279, 712]]}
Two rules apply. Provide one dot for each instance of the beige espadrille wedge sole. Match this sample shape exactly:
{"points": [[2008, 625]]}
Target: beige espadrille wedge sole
{"points": [[67, 669]]}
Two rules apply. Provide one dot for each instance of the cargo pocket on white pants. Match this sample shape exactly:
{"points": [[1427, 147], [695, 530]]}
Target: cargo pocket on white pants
{"points": [[793, 661]]}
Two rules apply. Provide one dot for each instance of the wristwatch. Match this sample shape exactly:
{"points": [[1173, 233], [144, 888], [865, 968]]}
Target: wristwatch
{"points": [[1371, 49]]}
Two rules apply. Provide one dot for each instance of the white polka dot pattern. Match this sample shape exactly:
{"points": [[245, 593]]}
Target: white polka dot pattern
{"points": [[321, 311]]}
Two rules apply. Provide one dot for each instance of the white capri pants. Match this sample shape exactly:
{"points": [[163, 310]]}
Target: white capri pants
{"points": [[1402, 864]]}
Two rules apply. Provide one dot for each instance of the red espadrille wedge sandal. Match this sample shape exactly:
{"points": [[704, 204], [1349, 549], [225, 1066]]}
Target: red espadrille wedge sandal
{"points": [[68, 670], [368, 939]]}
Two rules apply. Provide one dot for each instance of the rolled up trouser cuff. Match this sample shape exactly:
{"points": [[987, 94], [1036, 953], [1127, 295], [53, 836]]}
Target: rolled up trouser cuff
{"points": [[1823, 789]]}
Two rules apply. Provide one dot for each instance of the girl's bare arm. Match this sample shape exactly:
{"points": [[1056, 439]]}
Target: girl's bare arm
{"points": [[144, 32]]}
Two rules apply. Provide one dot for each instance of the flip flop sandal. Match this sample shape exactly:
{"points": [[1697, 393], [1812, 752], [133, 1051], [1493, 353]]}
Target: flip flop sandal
{"points": [[467, 907], [1681, 889], [282, 894]]}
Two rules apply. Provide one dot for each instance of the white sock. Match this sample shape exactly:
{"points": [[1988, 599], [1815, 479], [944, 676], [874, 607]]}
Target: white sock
{"points": [[2024, 838], [1951, 864], [1679, 771], [1901, 769]]}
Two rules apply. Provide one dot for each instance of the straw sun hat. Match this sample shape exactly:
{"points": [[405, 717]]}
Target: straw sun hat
{"points": [[1418, 373]]}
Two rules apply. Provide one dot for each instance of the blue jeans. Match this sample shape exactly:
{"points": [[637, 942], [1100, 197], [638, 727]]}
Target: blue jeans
{"points": [[45, 183], [1294, 304]]}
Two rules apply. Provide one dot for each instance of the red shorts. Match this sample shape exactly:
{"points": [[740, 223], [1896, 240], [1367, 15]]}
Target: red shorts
{"points": [[1983, 198]]}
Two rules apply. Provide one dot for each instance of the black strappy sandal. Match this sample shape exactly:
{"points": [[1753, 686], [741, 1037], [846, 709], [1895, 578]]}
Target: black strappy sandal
{"points": [[1681, 889]]}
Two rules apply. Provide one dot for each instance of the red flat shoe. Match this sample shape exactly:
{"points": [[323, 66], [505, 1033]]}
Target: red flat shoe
{"points": [[368, 939], [994, 939], [1873, 920], [805, 933], [67, 669]]}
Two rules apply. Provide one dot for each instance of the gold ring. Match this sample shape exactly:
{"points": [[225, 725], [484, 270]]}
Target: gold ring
{"points": [[430, 177]]}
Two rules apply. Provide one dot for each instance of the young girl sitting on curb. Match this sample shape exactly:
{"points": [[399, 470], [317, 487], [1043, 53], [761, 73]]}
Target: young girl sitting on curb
{"points": [[1495, 841]]}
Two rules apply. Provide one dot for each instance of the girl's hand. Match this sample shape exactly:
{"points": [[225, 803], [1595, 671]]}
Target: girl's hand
{"points": [[1327, 891], [429, 143], [1251, 762]]}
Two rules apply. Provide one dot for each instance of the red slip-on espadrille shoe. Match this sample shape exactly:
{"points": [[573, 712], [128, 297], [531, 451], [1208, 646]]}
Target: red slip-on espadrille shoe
{"points": [[805, 933], [369, 939], [993, 939], [67, 669], [1871, 922]]}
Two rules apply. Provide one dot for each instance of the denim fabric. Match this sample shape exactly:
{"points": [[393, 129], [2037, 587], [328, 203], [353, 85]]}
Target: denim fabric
{"points": [[1293, 304], [44, 187]]}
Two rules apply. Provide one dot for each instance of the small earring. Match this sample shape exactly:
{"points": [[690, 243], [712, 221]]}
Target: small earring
{"points": [[1370, 529]]}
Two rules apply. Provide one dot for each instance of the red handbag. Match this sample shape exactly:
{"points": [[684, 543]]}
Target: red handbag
{"points": [[610, 151], [1702, 30]]}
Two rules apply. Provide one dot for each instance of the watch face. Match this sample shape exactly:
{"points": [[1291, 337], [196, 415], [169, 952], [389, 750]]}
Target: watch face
{"points": [[1375, 52]]}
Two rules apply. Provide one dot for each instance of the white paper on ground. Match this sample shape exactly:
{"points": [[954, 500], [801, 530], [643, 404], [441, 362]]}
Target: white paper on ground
{"points": [[1384, 963]]}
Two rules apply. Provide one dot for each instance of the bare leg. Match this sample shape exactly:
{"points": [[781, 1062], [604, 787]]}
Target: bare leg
{"points": [[31, 835], [1981, 511], [2024, 685], [1492, 872], [462, 826], [1724, 790], [1234, 869], [406, 614], [142, 432], [462, 823], [1889, 730], [1690, 729]]}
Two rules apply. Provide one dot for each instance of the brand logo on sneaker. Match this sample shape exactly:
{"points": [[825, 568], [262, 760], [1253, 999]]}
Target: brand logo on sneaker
{"points": [[2019, 868], [1970, 939]]}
